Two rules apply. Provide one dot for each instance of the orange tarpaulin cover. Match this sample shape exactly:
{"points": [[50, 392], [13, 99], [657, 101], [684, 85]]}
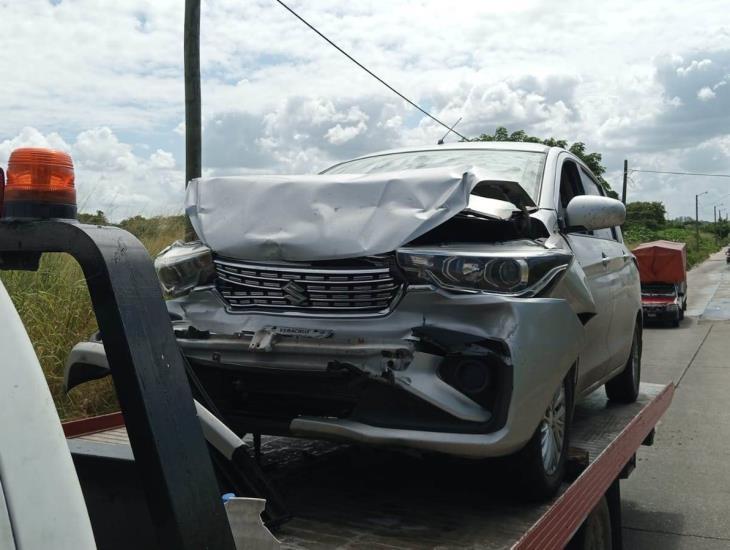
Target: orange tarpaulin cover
{"points": [[662, 261]]}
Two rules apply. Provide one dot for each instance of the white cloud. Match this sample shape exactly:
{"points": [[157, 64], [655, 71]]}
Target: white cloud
{"points": [[694, 66], [705, 94], [337, 135], [100, 150], [162, 160]]}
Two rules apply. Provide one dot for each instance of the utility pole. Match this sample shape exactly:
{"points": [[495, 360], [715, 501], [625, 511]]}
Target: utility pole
{"points": [[697, 218], [626, 177], [714, 208], [193, 145], [697, 221]]}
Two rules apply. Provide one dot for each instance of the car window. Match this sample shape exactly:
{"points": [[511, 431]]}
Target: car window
{"points": [[523, 167], [570, 184], [592, 188]]}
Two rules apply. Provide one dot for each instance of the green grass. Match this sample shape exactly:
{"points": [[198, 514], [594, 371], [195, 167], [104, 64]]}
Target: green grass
{"points": [[55, 307]]}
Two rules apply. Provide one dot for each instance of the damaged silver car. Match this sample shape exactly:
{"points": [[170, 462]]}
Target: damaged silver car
{"points": [[456, 299]]}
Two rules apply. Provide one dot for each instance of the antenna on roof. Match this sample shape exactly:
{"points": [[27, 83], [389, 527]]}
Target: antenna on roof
{"points": [[451, 129]]}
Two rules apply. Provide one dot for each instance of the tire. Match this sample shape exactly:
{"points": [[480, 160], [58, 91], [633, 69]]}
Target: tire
{"points": [[624, 388], [539, 468], [595, 533]]}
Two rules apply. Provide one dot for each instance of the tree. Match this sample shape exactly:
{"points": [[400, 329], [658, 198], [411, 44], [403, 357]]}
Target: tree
{"points": [[649, 214], [722, 229], [592, 160]]}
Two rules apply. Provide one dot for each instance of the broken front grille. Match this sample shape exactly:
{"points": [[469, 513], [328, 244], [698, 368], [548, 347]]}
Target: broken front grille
{"points": [[245, 286]]}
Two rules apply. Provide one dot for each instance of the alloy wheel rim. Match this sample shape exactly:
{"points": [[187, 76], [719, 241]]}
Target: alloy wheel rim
{"points": [[552, 432]]}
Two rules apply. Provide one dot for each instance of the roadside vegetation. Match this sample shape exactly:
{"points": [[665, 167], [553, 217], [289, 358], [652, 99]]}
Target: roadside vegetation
{"points": [[55, 307], [646, 221]]}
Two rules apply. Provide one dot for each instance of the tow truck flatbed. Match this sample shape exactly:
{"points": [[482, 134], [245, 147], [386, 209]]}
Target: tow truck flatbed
{"points": [[344, 496]]}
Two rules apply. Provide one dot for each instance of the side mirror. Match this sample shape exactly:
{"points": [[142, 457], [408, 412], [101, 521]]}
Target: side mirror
{"points": [[594, 212]]}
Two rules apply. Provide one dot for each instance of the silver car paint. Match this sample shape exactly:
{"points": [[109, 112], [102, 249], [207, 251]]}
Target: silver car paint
{"points": [[544, 335]]}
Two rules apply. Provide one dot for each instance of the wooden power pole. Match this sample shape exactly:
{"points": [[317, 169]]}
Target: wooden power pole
{"points": [[697, 221], [193, 130], [626, 177], [697, 217]]}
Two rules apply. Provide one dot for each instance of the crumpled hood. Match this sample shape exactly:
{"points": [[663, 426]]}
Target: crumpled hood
{"points": [[320, 217]]}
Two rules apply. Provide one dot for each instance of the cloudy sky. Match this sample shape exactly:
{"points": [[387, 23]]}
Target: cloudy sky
{"points": [[648, 81]]}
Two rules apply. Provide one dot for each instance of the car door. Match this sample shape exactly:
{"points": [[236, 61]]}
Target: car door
{"points": [[622, 278], [591, 253]]}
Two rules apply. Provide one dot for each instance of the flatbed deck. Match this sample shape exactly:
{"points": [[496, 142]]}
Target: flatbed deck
{"points": [[345, 496]]}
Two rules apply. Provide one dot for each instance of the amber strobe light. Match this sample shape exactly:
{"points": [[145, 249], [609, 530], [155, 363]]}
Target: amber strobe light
{"points": [[40, 184]]}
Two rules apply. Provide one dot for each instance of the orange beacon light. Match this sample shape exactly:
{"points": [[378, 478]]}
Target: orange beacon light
{"points": [[40, 184]]}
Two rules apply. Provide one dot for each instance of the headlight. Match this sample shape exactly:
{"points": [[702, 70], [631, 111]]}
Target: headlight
{"points": [[516, 273], [183, 266]]}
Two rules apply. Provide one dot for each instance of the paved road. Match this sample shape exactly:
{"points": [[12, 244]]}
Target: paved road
{"points": [[679, 495]]}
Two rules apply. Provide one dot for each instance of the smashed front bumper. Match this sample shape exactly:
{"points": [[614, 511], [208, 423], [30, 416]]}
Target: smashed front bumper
{"points": [[406, 362]]}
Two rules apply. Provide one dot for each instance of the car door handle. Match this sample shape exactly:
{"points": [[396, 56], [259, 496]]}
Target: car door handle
{"points": [[604, 261]]}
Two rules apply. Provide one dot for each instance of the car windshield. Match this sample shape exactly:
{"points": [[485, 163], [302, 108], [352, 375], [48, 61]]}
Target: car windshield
{"points": [[524, 167]]}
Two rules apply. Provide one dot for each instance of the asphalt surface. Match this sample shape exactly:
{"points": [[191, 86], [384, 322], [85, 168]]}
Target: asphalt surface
{"points": [[679, 495]]}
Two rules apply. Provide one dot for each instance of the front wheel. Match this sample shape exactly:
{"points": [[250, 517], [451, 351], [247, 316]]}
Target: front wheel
{"points": [[540, 465], [624, 388]]}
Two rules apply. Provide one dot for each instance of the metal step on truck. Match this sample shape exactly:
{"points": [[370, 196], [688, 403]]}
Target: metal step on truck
{"points": [[165, 472]]}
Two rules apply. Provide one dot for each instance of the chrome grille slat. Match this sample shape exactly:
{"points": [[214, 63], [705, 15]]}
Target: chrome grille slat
{"points": [[291, 269], [319, 308], [357, 288], [375, 298], [246, 286]]}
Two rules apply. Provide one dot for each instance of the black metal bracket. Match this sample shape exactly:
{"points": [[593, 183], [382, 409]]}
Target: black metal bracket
{"points": [[148, 372]]}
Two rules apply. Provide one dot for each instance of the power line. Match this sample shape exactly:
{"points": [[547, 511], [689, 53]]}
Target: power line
{"points": [[371, 73], [683, 173]]}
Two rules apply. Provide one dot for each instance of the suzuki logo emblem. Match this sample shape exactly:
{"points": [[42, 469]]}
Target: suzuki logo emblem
{"points": [[295, 293]]}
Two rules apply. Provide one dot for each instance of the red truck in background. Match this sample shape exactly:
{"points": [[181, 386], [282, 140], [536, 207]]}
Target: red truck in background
{"points": [[663, 274]]}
